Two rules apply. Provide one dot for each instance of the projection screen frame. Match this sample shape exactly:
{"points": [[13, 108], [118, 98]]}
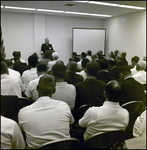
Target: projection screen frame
{"points": [[89, 29]]}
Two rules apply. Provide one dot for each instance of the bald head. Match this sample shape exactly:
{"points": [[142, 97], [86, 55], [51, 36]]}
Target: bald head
{"points": [[46, 85]]}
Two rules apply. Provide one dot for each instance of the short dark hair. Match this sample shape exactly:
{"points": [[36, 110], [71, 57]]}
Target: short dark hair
{"points": [[4, 67], [103, 63], [72, 65], [83, 54], [89, 52], [92, 68], [33, 60], [84, 62], [16, 53], [111, 61], [46, 84], [135, 59], [114, 91], [41, 67], [59, 70], [125, 70]]}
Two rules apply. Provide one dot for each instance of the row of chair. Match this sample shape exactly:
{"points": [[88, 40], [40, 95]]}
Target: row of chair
{"points": [[108, 140]]}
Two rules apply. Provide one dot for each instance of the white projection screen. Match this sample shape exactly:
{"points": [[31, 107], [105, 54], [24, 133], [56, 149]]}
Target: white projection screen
{"points": [[85, 39]]}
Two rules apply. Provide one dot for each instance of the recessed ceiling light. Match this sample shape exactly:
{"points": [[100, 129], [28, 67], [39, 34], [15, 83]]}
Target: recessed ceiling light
{"points": [[100, 15], [133, 7], [102, 3], [47, 10], [10, 7], [82, 1], [78, 13], [2, 6]]}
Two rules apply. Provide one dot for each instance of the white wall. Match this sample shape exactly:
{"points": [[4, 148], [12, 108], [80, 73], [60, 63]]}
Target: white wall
{"points": [[127, 33], [26, 33]]}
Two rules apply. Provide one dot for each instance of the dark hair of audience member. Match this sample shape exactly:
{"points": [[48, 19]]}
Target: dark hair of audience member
{"points": [[83, 54], [60, 61], [46, 85], [103, 63], [58, 70], [4, 68], [92, 68], [112, 61], [135, 59], [72, 66], [84, 62], [89, 52], [33, 60], [114, 91], [42, 67]]}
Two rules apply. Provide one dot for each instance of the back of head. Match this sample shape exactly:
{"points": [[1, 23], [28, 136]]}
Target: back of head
{"points": [[113, 91], [92, 68], [4, 68], [94, 57], [141, 65], [84, 62], [89, 52], [83, 54], [72, 66], [42, 67], [103, 63], [9, 62], [55, 55], [125, 71], [47, 54], [16, 55], [46, 85], [59, 70], [123, 55], [33, 60], [99, 53], [135, 59], [112, 61]]}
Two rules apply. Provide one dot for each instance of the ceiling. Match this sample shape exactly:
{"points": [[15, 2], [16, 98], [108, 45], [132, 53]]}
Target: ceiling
{"points": [[78, 7]]}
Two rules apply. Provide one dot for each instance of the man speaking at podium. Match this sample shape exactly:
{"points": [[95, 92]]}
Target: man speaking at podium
{"points": [[46, 46]]}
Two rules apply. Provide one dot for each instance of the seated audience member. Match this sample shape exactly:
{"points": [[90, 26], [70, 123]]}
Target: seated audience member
{"points": [[47, 57], [134, 61], [10, 85], [111, 55], [133, 90], [83, 55], [46, 119], [17, 56], [122, 59], [91, 90], [140, 75], [31, 91], [10, 68], [112, 69], [100, 54], [104, 75], [116, 54], [55, 57], [31, 74], [109, 117], [94, 57], [139, 128], [11, 136], [74, 57], [64, 91], [71, 77], [83, 73], [89, 53]]}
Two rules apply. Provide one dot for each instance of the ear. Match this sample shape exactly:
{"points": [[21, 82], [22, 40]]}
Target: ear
{"points": [[54, 90], [104, 93]]}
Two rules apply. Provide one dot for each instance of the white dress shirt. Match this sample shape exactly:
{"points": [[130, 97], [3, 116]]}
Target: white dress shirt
{"points": [[11, 136], [11, 85], [45, 120], [140, 76], [29, 75], [83, 74], [50, 64], [65, 92], [109, 117], [14, 73]]}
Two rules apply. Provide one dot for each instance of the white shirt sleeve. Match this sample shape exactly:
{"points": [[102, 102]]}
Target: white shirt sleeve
{"points": [[28, 91]]}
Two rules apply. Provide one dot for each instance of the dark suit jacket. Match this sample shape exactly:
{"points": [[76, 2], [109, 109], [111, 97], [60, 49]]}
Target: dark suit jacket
{"points": [[73, 78], [105, 76], [133, 91], [45, 47], [89, 91], [114, 72]]}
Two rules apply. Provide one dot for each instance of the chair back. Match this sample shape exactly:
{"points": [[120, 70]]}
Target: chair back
{"points": [[67, 143], [105, 140], [135, 108], [81, 110]]}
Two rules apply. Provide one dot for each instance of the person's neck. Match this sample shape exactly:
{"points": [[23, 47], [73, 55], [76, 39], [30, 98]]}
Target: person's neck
{"points": [[90, 77], [59, 80]]}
